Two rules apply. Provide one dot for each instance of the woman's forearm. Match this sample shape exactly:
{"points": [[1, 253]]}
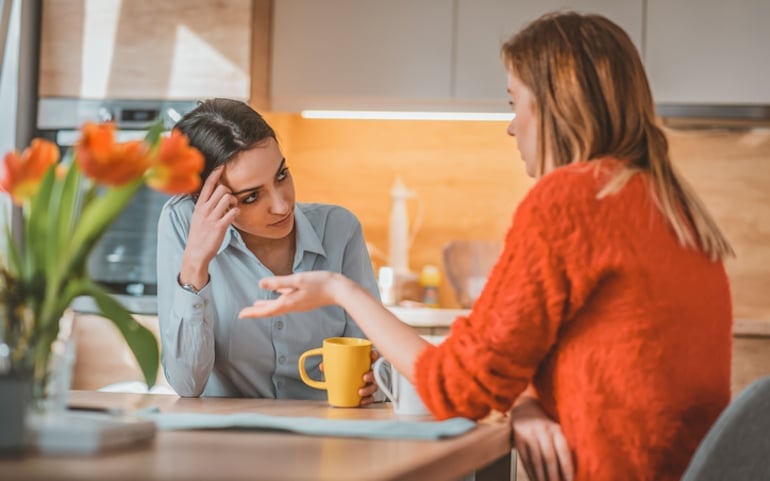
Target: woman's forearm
{"points": [[397, 342]]}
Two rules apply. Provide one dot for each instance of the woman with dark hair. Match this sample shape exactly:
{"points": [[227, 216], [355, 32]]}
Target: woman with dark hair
{"points": [[610, 297], [216, 245]]}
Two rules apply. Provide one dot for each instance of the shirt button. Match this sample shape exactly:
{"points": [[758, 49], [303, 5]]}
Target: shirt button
{"points": [[198, 305], [279, 325], [282, 360]]}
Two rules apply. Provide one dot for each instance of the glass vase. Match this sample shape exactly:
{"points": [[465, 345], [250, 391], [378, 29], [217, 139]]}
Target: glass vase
{"points": [[52, 371], [14, 393]]}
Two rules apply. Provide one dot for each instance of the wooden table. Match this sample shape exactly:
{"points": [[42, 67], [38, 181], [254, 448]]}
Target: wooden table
{"points": [[260, 455]]}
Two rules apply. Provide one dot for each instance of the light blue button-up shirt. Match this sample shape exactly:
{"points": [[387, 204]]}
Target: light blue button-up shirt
{"points": [[207, 350]]}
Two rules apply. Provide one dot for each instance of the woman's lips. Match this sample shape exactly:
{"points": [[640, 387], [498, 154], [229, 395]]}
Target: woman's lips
{"points": [[283, 221]]}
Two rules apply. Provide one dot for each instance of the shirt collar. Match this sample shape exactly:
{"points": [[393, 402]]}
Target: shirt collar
{"points": [[307, 237]]}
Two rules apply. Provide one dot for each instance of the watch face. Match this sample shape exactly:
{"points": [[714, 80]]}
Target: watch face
{"points": [[187, 287]]}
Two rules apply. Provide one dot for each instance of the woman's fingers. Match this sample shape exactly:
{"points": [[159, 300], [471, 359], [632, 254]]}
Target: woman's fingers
{"points": [[526, 461], [540, 442], [211, 183], [368, 390], [225, 209], [281, 284], [260, 308], [264, 309], [549, 462], [536, 461], [564, 454]]}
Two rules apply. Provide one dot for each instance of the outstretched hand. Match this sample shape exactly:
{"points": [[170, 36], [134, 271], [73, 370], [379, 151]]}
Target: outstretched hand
{"points": [[299, 292]]}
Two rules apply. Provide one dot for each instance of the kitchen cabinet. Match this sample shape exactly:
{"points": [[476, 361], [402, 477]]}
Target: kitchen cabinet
{"points": [[708, 51], [426, 55], [348, 54], [146, 49], [483, 26]]}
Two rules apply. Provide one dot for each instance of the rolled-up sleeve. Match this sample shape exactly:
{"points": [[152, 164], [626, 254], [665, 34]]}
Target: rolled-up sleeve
{"points": [[186, 320]]}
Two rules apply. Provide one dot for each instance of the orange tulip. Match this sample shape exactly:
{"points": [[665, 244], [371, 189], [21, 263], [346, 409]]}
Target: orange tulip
{"points": [[107, 162], [20, 176], [177, 166]]}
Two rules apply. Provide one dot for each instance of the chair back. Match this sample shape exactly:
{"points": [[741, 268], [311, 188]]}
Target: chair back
{"points": [[738, 444]]}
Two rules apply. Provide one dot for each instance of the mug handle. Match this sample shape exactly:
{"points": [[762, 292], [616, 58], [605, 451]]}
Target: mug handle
{"points": [[378, 378], [303, 374]]}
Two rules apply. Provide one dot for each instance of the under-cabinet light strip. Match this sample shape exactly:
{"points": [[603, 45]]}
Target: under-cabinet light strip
{"points": [[392, 115]]}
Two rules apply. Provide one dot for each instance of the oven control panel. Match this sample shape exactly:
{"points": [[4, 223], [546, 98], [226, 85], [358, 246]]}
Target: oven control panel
{"points": [[69, 114]]}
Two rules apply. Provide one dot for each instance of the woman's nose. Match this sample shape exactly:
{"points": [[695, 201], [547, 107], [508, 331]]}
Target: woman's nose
{"points": [[510, 131], [279, 204]]}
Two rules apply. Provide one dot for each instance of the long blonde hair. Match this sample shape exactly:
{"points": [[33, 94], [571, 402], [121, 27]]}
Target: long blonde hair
{"points": [[594, 101]]}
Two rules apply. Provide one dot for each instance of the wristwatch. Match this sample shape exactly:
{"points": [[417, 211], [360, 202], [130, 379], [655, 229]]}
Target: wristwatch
{"points": [[188, 287]]}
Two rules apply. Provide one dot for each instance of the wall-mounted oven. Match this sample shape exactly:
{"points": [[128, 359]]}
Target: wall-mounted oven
{"points": [[124, 259]]}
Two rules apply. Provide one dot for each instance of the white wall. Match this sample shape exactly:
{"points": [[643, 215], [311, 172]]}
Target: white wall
{"points": [[8, 105]]}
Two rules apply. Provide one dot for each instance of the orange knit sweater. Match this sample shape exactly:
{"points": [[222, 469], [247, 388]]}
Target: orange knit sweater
{"points": [[625, 334]]}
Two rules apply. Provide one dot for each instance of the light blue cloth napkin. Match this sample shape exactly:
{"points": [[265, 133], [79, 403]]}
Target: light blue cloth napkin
{"points": [[314, 426]]}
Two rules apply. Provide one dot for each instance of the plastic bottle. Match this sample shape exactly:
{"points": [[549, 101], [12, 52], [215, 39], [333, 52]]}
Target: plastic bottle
{"points": [[398, 228], [386, 282], [430, 278]]}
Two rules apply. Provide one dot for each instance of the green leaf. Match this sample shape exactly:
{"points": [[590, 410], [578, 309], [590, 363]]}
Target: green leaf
{"points": [[36, 226], [141, 341], [154, 133], [61, 218], [68, 205], [14, 259], [97, 216]]}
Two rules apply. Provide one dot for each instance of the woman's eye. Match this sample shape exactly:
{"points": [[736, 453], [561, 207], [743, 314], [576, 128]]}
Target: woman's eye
{"points": [[513, 105], [283, 173], [251, 198]]}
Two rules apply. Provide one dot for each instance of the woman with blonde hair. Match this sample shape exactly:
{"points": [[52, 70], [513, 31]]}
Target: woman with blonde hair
{"points": [[609, 299]]}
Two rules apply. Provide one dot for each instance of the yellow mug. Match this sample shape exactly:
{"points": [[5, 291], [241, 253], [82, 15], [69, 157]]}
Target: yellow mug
{"points": [[346, 360]]}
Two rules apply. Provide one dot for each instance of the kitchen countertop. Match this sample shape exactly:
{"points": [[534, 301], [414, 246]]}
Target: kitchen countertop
{"points": [[414, 316], [751, 327], [426, 316], [431, 317]]}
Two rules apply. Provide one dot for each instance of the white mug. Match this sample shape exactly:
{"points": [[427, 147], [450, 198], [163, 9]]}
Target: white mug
{"points": [[402, 394]]}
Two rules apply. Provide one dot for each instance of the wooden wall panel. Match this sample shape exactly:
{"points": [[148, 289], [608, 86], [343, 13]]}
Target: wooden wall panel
{"points": [[146, 49], [731, 172], [261, 25]]}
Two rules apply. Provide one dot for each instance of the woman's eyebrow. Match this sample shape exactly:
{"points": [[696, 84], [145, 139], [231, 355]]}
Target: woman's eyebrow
{"points": [[250, 189], [258, 187]]}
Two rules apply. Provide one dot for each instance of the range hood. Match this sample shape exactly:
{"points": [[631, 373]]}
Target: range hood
{"points": [[714, 115]]}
